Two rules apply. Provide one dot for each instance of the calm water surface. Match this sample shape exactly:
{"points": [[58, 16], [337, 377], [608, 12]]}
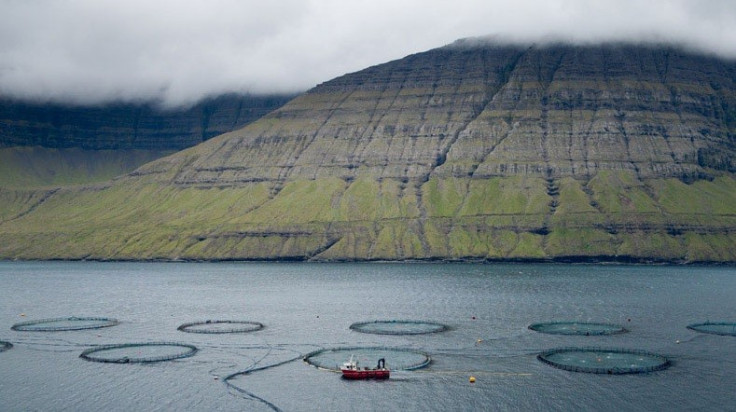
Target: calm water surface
{"points": [[307, 307]]}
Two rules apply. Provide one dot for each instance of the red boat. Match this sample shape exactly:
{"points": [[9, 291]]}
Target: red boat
{"points": [[351, 370]]}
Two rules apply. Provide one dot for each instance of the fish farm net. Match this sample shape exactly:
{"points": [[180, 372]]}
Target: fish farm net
{"points": [[398, 327], [221, 326], [64, 324], [396, 358], [139, 352], [604, 360], [577, 328], [716, 328], [5, 345]]}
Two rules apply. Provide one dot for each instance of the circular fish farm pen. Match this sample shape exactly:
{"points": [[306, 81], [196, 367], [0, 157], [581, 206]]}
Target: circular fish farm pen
{"points": [[715, 328], [577, 328], [221, 326], [139, 352], [5, 345], [398, 327], [604, 360], [64, 324], [396, 358]]}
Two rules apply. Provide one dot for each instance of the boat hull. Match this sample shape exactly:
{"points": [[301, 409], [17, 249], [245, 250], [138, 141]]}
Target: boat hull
{"points": [[366, 374]]}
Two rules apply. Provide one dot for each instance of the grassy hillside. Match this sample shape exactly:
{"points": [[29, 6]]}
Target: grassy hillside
{"points": [[31, 167], [330, 219]]}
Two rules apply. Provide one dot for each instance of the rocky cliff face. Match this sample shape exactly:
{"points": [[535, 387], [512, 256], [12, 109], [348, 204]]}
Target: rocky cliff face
{"points": [[128, 126], [44, 145], [470, 151], [469, 110]]}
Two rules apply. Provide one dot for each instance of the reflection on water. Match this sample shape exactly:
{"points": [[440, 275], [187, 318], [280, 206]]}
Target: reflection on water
{"points": [[309, 307]]}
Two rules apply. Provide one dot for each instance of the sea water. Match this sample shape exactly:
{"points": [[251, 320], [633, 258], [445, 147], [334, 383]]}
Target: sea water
{"points": [[309, 307]]}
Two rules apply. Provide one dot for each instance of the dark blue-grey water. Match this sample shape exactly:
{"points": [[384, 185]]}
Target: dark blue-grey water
{"points": [[307, 307]]}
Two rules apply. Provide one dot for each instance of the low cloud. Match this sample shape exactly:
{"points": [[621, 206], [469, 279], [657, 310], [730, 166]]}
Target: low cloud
{"points": [[97, 51]]}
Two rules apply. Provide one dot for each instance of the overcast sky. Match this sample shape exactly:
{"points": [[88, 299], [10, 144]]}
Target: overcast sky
{"points": [[93, 51]]}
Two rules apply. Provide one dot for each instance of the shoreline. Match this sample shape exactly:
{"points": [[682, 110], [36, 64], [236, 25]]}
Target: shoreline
{"points": [[564, 260]]}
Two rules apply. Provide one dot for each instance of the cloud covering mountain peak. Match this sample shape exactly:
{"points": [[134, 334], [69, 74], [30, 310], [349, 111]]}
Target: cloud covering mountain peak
{"points": [[97, 51]]}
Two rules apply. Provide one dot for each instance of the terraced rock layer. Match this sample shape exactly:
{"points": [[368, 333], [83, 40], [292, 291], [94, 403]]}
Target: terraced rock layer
{"points": [[470, 151], [47, 144]]}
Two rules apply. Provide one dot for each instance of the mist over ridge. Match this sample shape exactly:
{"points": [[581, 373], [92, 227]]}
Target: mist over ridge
{"points": [[92, 52]]}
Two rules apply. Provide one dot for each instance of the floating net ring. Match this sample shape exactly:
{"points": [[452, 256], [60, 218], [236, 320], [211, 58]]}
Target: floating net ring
{"points": [[5, 345], [63, 324], [715, 328], [221, 326], [577, 328], [139, 352], [395, 358], [604, 360], [398, 327]]}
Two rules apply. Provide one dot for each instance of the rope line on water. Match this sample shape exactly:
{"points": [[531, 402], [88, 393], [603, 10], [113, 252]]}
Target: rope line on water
{"points": [[246, 372]]}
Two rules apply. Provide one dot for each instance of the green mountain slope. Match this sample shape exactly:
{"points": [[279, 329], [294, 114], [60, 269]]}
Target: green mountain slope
{"points": [[471, 151], [30, 167]]}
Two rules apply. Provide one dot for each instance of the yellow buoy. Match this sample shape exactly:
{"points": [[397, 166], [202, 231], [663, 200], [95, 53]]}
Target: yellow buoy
{"points": [[472, 379]]}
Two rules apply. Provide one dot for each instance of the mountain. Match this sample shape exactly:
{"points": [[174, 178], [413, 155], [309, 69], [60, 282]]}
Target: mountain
{"points": [[50, 143], [136, 126], [474, 150]]}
